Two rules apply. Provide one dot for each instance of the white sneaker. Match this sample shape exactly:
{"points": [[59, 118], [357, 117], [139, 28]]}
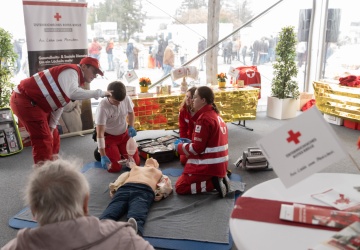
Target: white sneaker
{"points": [[133, 224]]}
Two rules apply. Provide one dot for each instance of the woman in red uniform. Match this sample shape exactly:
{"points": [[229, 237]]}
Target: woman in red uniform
{"points": [[205, 169], [186, 125]]}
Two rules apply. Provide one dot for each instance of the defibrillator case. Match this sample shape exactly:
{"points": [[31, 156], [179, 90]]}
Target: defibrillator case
{"points": [[160, 148], [10, 139]]}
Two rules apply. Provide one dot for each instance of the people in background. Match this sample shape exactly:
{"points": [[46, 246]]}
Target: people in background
{"points": [[134, 192], [130, 53], [38, 102], [160, 52], [256, 47], [169, 60], [206, 167], [114, 121], [236, 49], [243, 53], [95, 49], [58, 196], [182, 54], [186, 124], [153, 52], [109, 52], [201, 48], [136, 51]]}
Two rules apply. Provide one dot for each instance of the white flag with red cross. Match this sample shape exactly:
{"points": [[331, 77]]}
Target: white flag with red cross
{"points": [[303, 146], [131, 76]]}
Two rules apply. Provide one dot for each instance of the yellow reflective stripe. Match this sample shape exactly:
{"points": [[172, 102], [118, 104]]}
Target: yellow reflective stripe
{"points": [[55, 87], [45, 92]]}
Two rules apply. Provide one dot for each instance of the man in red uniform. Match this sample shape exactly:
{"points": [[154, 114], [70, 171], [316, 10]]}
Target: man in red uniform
{"points": [[206, 167], [38, 102]]}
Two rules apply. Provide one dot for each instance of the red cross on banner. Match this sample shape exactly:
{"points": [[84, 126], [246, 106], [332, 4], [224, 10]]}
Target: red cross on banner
{"points": [[293, 137], [57, 16]]}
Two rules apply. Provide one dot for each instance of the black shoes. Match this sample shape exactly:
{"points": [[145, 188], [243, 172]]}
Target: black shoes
{"points": [[222, 185]]}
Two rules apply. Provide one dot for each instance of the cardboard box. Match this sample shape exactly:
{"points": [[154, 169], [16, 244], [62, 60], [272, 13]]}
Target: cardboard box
{"points": [[334, 119], [304, 98]]}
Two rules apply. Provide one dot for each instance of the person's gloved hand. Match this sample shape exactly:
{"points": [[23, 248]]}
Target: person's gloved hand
{"points": [[131, 131], [185, 140], [105, 162], [176, 143]]}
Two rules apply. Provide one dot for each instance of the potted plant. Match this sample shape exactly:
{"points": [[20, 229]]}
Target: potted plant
{"points": [[144, 83], [282, 103], [7, 67], [221, 80]]}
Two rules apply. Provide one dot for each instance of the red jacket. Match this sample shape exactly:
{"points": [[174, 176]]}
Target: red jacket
{"points": [[186, 125], [208, 152], [44, 89]]}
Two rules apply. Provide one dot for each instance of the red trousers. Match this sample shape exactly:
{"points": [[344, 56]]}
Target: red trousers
{"points": [[115, 147], [194, 184], [44, 144]]}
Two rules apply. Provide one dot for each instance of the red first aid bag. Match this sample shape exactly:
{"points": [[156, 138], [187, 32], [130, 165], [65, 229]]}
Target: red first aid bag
{"points": [[251, 77]]}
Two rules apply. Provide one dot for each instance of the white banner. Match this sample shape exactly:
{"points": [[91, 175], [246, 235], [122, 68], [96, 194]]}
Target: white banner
{"points": [[305, 145], [56, 33]]}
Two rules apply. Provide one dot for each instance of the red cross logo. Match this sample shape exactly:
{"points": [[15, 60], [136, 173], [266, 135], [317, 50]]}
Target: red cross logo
{"points": [[57, 16], [293, 136], [250, 73], [342, 199]]}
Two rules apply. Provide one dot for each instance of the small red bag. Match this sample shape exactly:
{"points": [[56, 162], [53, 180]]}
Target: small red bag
{"points": [[308, 105]]}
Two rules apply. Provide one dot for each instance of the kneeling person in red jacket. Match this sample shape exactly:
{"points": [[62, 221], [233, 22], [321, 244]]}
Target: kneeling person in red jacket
{"points": [[206, 167]]}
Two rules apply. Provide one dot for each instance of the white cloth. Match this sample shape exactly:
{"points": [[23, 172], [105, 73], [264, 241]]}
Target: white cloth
{"points": [[113, 117]]}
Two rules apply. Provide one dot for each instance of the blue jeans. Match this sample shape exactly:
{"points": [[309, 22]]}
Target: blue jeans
{"points": [[136, 199], [110, 61]]}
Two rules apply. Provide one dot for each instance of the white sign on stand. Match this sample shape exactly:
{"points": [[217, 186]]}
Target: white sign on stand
{"points": [[305, 145], [234, 72], [131, 76]]}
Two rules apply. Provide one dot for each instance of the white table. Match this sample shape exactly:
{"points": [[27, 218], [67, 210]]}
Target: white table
{"points": [[254, 235]]}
